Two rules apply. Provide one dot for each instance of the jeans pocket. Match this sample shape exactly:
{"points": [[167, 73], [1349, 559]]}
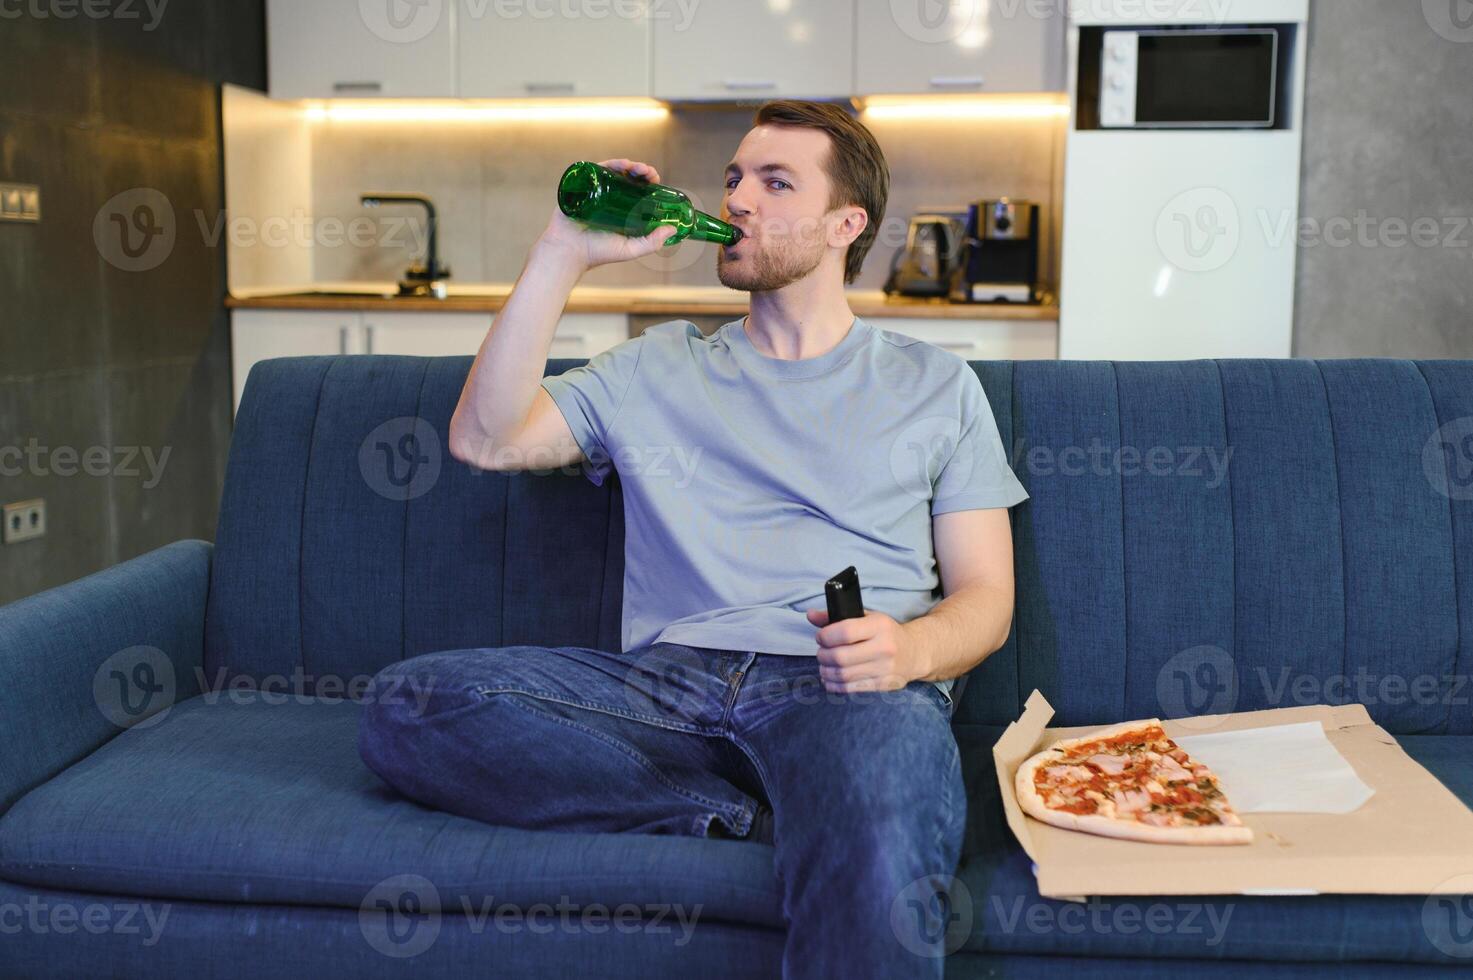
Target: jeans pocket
{"points": [[940, 698]]}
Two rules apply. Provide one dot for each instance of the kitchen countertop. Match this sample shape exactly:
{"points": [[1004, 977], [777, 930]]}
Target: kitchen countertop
{"points": [[657, 300]]}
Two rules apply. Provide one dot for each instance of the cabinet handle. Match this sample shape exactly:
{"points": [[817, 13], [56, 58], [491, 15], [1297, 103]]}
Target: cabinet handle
{"points": [[549, 86], [954, 345], [357, 86], [747, 85], [956, 81], [342, 340], [572, 338]]}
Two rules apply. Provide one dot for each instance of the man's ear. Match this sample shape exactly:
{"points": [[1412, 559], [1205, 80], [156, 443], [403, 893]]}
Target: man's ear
{"points": [[853, 220]]}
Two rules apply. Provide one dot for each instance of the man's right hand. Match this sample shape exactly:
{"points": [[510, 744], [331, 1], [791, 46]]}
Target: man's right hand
{"points": [[586, 247]]}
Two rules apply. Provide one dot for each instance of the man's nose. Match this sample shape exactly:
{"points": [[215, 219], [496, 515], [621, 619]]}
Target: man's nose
{"points": [[736, 200]]}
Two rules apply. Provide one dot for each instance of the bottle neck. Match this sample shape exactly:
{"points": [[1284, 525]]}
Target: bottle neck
{"points": [[709, 229]]}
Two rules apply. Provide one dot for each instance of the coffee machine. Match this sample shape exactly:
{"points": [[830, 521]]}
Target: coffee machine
{"points": [[999, 261]]}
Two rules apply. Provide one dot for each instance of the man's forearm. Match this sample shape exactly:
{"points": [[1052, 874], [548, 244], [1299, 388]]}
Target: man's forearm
{"points": [[960, 631], [509, 366]]}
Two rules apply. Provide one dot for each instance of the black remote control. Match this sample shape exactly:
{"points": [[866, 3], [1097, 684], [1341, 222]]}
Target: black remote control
{"points": [[842, 593]]}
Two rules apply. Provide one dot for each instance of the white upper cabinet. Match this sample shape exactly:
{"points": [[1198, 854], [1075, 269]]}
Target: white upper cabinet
{"points": [[542, 48], [671, 49], [753, 49], [910, 46], [360, 48]]}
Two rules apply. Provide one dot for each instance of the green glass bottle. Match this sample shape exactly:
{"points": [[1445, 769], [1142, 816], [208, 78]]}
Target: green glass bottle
{"points": [[609, 201]]}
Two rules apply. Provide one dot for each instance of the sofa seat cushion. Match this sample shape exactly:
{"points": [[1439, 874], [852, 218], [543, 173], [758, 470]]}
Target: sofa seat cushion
{"points": [[1000, 910], [265, 800]]}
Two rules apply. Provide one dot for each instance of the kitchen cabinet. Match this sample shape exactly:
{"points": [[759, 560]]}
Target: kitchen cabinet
{"points": [[592, 50], [971, 340], [448, 334], [256, 335], [352, 49], [424, 334], [970, 46], [792, 48], [981, 340], [697, 51]]}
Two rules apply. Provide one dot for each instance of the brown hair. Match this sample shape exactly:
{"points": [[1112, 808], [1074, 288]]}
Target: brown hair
{"points": [[856, 167]]}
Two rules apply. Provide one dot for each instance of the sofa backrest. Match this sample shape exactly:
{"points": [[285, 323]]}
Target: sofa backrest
{"points": [[1200, 536], [329, 565]]}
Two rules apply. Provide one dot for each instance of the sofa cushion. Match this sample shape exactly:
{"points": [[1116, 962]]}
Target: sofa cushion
{"points": [[1001, 911], [240, 799]]}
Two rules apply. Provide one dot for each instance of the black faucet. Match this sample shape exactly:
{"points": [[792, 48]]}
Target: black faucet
{"points": [[422, 278]]}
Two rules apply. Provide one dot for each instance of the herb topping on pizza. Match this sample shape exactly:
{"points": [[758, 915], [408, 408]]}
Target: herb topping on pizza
{"points": [[1130, 781]]}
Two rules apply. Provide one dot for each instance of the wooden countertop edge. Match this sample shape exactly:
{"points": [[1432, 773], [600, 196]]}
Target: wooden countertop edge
{"points": [[920, 309]]}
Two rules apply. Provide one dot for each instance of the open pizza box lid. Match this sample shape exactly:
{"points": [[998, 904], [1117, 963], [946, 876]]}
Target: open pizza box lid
{"points": [[1413, 836]]}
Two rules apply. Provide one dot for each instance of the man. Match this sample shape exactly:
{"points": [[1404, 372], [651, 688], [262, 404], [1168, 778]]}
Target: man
{"points": [[755, 464]]}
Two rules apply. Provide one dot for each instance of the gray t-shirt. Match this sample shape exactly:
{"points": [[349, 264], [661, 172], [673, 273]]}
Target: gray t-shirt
{"points": [[749, 480]]}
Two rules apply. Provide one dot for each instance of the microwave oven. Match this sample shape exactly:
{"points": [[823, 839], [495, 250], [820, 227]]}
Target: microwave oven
{"points": [[1189, 78]]}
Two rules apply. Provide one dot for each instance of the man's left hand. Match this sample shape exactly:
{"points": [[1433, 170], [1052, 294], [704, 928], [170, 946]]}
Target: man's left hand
{"points": [[868, 653]]}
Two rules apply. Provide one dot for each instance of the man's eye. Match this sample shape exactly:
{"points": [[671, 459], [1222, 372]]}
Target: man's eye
{"points": [[784, 183], [732, 182]]}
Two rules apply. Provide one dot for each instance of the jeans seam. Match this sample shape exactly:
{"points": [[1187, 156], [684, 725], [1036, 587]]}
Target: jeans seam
{"points": [[947, 801], [689, 728], [756, 760], [638, 757], [745, 667]]}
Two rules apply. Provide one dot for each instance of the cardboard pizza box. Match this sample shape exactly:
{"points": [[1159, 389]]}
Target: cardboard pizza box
{"points": [[1413, 836]]}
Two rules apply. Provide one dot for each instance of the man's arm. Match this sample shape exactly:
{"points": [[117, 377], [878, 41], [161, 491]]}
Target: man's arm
{"points": [[974, 555], [505, 420]]}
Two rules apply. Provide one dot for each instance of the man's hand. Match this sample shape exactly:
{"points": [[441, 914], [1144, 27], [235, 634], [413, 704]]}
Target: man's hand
{"points": [[868, 653]]}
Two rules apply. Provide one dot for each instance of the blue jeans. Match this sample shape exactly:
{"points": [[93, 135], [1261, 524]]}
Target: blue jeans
{"points": [[860, 794]]}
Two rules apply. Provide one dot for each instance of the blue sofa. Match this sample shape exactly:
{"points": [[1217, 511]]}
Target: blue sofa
{"points": [[180, 791]]}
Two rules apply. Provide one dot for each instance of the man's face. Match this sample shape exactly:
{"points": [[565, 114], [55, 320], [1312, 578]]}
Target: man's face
{"points": [[777, 193]]}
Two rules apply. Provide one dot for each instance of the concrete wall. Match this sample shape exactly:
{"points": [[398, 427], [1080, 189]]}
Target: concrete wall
{"points": [[107, 362], [1388, 150]]}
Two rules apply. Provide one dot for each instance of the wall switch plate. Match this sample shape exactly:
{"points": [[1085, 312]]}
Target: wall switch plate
{"points": [[20, 202], [25, 519]]}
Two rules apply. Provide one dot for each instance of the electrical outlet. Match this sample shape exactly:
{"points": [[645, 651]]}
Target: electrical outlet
{"points": [[25, 519], [20, 202]]}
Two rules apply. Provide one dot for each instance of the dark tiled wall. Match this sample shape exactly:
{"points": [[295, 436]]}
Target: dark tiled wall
{"points": [[120, 374]]}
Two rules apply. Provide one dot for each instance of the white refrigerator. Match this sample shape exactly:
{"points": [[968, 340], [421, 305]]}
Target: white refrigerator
{"points": [[1180, 237]]}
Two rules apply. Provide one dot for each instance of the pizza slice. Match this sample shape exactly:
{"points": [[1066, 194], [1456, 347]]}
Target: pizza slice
{"points": [[1129, 781]]}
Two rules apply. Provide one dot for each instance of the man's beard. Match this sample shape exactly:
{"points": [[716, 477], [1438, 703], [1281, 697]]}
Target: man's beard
{"points": [[769, 268]]}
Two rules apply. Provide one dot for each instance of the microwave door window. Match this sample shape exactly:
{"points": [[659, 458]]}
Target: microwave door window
{"points": [[1205, 79]]}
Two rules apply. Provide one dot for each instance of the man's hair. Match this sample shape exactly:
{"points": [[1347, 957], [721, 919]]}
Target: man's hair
{"points": [[856, 167]]}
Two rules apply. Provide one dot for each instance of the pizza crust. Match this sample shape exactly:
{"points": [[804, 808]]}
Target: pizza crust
{"points": [[1033, 804]]}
